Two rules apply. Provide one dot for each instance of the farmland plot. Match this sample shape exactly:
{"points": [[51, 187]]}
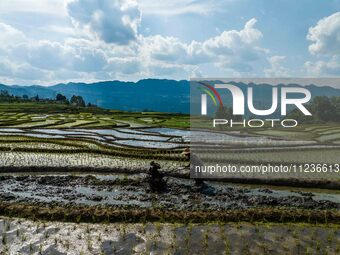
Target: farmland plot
{"points": [[34, 237]]}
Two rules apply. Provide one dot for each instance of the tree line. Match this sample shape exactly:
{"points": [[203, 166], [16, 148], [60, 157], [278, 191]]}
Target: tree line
{"points": [[322, 108], [75, 100]]}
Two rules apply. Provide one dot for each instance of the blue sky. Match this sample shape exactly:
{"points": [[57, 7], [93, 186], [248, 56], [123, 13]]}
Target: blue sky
{"points": [[47, 42]]}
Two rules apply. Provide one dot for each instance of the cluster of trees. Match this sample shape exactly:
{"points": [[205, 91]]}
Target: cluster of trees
{"points": [[75, 100], [78, 101], [323, 109], [8, 98]]}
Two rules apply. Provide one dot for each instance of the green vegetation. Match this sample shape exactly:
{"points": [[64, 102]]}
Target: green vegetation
{"points": [[324, 133], [5, 97], [323, 109], [104, 215], [43, 107], [166, 238], [33, 114], [192, 231], [60, 112], [290, 155]]}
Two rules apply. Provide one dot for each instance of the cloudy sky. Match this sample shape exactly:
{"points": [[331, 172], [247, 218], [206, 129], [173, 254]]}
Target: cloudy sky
{"points": [[46, 42]]}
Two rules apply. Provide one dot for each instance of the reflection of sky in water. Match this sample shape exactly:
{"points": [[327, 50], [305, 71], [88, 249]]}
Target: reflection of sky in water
{"points": [[203, 136], [170, 131], [138, 138], [44, 136], [141, 135], [131, 131], [220, 138], [59, 132], [148, 144], [11, 130], [33, 135]]}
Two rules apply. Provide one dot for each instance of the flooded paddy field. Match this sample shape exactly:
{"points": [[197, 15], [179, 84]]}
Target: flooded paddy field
{"points": [[36, 237], [151, 138], [95, 175], [129, 149], [50, 147]]}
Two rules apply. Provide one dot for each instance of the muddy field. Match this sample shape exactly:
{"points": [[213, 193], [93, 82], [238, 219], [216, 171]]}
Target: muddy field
{"points": [[133, 191]]}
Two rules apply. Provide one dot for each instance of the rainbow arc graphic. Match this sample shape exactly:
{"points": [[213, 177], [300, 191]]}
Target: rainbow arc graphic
{"points": [[212, 92]]}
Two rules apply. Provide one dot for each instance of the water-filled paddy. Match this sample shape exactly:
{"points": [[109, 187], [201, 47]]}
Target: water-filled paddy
{"points": [[163, 138], [120, 136], [34, 237]]}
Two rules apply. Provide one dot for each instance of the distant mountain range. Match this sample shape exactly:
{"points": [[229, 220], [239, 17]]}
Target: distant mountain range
{"points": [[149, 94]]}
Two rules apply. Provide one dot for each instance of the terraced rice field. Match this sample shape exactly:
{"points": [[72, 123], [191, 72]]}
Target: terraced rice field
{"points": [[131, 148], [323, 133], [92, 167], [34, 237], [106, 119], [95, 149], [299, 148]]}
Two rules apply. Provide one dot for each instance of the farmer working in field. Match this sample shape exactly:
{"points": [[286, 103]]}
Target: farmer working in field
{"points": [[194, 161], [156, 181]]}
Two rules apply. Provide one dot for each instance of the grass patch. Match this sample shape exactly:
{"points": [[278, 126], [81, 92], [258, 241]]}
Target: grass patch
{"points": [[102, 215]]}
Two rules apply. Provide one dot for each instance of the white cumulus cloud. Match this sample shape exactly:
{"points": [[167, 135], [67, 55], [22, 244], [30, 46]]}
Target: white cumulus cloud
{"points": [[103, 43], [178, 7], [277, 69], [325, 36], [329, 67], [231, 49], [10, 36], [113, 21], [325, 47]]}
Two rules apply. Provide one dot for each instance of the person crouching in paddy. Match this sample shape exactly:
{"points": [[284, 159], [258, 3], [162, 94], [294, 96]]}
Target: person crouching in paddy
{"points": [[194, 162]]}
